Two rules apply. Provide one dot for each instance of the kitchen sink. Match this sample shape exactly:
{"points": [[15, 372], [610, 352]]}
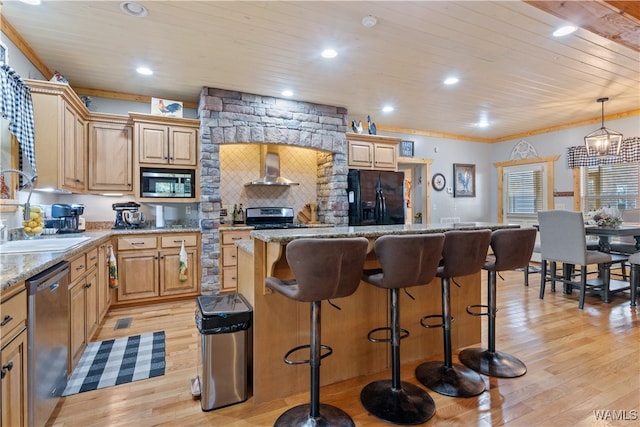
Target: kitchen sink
{"points": [[55, 244]]}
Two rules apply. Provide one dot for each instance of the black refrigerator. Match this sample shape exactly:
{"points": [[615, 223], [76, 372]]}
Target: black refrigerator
{"points": [[375, 197]]}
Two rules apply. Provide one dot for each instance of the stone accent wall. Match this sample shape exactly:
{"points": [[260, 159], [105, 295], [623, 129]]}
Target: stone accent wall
{"points": [[229, 117]]}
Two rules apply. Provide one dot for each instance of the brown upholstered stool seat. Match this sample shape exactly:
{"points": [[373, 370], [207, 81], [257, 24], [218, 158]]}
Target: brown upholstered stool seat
{"points": [[408, 260], [323, 269], [463, 254], [512, 248]]}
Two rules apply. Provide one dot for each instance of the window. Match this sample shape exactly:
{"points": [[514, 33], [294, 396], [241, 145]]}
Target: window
{"points": [[614, 185], [524, 189]]}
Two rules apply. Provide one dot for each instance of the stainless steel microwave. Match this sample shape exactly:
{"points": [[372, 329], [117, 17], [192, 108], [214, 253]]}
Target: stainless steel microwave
{"points": [[173, 183]]}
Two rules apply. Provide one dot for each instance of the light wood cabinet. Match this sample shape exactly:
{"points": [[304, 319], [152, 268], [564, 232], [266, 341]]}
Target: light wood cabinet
{"points": [[13, 355], [84, 317], [73, 148], [148, 267], [166, 141], [229, 257], [104, 292], [110, 154], [60, 136], [372, 152]]}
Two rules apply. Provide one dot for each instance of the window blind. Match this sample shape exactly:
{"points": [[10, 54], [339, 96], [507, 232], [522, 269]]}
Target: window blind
{"points": [[614, 185], [524, 191]]}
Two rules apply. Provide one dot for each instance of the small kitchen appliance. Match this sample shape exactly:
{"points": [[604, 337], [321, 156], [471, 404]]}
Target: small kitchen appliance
{"points": [[127, 215], [271, 218], [167, 183], [68, 217]]}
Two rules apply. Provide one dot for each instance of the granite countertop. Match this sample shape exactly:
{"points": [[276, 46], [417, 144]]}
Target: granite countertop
{"points": [[369, 231], [17, 267]]}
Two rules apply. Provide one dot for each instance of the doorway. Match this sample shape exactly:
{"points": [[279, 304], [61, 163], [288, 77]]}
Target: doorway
{"points": [[416, 189]]}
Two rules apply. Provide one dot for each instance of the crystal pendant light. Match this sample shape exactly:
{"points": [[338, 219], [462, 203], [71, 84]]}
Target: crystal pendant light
{"points": [[603, 142]]}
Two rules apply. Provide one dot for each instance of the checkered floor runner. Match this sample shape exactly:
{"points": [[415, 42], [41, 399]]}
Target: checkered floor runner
{"points": [[118, 361]]}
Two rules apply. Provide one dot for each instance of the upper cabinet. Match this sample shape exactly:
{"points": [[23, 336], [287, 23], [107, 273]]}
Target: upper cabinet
{"points": [[166, 141], [110, 154], [372, 152], [61, 132]]}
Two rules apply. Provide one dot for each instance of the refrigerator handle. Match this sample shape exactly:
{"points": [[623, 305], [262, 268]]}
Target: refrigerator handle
{"points": [[381, 206]]}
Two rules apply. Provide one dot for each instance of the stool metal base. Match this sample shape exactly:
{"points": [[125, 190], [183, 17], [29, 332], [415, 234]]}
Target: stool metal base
{"points": [[494, 364], [455, 381], [407, 405], [299, 416]]}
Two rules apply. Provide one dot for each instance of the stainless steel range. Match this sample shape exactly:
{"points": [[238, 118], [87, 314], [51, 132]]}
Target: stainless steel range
{"points": [[271, 218]]}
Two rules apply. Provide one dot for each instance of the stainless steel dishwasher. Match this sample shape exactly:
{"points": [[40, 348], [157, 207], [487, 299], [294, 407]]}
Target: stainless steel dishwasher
{"points": [[48, 340]]}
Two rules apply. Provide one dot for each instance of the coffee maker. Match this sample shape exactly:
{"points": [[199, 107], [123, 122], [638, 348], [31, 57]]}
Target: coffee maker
{"points": [[68, 217], [127, 215]]}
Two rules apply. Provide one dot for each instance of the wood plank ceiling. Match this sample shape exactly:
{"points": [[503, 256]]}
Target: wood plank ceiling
{"points": [[513, 73]]}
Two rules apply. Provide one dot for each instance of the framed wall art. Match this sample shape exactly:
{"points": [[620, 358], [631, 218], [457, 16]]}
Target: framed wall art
{"points": [[406, 148], [464, 180]]}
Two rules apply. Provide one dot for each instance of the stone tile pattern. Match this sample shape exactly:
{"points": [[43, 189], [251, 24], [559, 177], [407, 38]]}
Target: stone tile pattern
{"points": [[231, 117], [240, 163]]}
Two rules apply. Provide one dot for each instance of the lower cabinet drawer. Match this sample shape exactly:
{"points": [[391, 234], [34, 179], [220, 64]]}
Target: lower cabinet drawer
{"points": [[13, 316], [128, 243], [229, 278], [229, 256], [78, 268], [175, 241]]}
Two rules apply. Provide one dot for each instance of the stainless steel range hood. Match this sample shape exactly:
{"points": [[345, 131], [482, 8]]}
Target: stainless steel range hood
{"points": [[270, 168]]}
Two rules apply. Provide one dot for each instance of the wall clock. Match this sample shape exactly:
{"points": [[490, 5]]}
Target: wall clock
{"points": [[438, 181]]}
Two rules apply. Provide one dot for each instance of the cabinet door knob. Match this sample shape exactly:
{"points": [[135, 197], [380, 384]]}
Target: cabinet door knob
{"points": [[5, 368]]}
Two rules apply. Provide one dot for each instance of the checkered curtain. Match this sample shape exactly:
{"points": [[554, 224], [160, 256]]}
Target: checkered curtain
{"points": [[629, 152], [17, 107]]}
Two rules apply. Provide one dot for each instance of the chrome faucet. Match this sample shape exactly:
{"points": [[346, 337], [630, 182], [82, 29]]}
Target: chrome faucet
{"points": [[31, 181]]}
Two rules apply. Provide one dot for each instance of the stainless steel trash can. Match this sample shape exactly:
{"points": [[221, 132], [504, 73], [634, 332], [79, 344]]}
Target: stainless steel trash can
{"points": [[223, 322]]}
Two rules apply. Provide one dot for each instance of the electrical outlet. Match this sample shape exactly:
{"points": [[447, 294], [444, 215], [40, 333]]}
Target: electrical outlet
{"points": [[450, 190], [188, 210]]}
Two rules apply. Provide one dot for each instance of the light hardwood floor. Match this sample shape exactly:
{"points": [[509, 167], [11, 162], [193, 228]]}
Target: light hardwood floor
{"points": [[579, 362]]}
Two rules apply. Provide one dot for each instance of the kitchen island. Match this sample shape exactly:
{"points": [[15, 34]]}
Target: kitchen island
{"points": [[281, 323]]}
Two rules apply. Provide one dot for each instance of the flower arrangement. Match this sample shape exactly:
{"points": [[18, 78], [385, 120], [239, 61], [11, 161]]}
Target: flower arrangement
{"points": [[606, 217]]}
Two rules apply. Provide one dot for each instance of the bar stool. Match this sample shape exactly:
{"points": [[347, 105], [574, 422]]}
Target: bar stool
{"points": [[408, 260], [463, 253], [512, 249], [323, 269], [634, 280]]}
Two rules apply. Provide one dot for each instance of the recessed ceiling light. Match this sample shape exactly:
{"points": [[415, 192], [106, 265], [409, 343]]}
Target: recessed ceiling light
{"points": [[451, 80], [132, 8], [31, 2], [145, 71], [564, 31], [287, 93], [387, 109], [483, 123], [329, 53], [369, 21]]}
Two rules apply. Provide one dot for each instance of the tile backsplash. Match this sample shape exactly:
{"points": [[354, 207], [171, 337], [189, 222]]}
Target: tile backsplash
{"points": [[240, 163]]}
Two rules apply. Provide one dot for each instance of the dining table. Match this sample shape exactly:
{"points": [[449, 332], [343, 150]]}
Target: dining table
{"points": [[605, 234]]}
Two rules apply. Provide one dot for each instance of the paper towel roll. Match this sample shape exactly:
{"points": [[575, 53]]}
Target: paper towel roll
{"points": [[159, 217]]}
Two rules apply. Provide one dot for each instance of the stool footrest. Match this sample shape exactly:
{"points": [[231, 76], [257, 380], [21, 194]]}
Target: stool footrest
{"points": [[302, 347], [470, 309], [403, 334], [423, 321]]}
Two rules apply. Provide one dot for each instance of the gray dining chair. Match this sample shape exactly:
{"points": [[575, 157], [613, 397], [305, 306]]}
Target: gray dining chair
{"points": [[562, 239]]}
